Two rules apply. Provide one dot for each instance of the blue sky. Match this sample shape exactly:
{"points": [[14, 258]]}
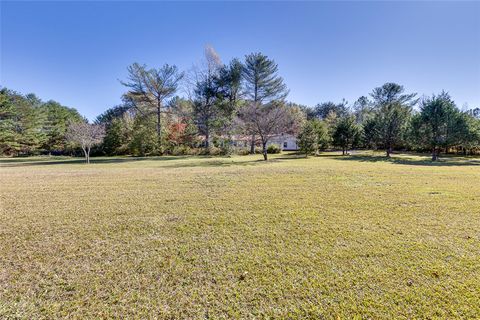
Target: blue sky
{"points": [[75, 52]]}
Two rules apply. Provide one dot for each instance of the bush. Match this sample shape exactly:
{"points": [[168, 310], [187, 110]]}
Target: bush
{"points": [[273, 148], [215, 151], [180, 150], [242, 151]]}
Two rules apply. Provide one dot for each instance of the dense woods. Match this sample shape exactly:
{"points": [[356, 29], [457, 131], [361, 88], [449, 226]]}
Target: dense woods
{"points": [[227, 103], [30, 126]]}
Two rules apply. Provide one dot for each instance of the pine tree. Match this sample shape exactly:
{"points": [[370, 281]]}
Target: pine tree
{"points": [[262, 82]]}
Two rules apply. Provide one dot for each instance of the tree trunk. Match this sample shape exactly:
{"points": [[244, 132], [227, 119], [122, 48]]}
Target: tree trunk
{"points": [[207, 138], [389, 152], [252, 145], [159, 128], [435, 153], [343, 151], [86, 154], [264, 151]]}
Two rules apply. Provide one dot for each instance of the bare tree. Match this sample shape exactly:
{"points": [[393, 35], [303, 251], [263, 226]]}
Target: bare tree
{"points": [[151, 87], [267, 121], [86, 135]]}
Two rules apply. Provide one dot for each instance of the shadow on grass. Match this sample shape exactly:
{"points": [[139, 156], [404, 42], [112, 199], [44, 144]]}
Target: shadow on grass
{"points": [[181, 161], [27, 162], [448, 161], [212, 161]]}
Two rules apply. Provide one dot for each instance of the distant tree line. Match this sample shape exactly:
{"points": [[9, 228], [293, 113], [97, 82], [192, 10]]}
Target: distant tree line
{"points": [[387, 120], [30, 126], [224, 102]]}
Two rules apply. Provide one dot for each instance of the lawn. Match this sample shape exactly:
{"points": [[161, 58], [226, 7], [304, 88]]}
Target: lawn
{"points": [[197, 238]]}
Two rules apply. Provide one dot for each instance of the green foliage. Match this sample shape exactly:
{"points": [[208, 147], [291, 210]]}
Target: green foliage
{"points": [[150, 88], [237, 99], [181, 150], [440, 125], [29, 126], [323, 110], [273, 148], [392, 108], [57, 120], [314, 136], [263, 84], [362, 110], [307, 139], [347, 134], [216, 96], [144, 140], [323, 137]]}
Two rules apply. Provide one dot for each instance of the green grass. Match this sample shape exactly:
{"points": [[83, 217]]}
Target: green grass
{"points": [[191, 237]]}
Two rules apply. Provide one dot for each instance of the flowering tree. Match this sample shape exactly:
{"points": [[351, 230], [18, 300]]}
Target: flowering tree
{"points": [[86, 135]]}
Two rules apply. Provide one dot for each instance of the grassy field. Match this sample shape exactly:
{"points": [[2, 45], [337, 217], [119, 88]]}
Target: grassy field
{"points": [[172, 237]]}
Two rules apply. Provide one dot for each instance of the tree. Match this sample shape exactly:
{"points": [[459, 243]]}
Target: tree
{"points": [[322, 136], [152, 87], [346, 134], [434, 123], [362, 109], [475, 112], [21, 123], [313, 136], [118, 122], [323, 110], [467, 132], [55, 126], [267, 121], [207, 95], [230, 83], [392, 110], [262, 83], [370, 134], [307, 139], [86, 135]]}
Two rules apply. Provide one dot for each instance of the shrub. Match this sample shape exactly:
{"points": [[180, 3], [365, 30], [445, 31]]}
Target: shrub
{"points": [[242, 151], [215, 151], [211, 151], [273, 148], [180, 150]]}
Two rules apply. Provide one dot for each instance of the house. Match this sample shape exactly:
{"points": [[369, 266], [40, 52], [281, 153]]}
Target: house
{"points": [[286, 142]]}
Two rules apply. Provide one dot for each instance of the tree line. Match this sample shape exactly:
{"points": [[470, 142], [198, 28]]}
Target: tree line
{"points": [[30, 126], [209, 108]]}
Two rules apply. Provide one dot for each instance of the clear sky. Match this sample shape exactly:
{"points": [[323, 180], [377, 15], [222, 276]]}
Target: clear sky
{"points": [[75, 52]]}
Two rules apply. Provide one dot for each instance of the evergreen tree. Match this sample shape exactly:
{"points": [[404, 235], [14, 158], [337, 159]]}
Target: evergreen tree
{"points": [[434, 125], [56, 124], [22, 119], [347, 134], [392, 111], [152, 88], [262, 83], [307, 139]]}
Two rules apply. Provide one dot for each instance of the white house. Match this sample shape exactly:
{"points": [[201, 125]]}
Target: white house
{"points": [[286, 142]]}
